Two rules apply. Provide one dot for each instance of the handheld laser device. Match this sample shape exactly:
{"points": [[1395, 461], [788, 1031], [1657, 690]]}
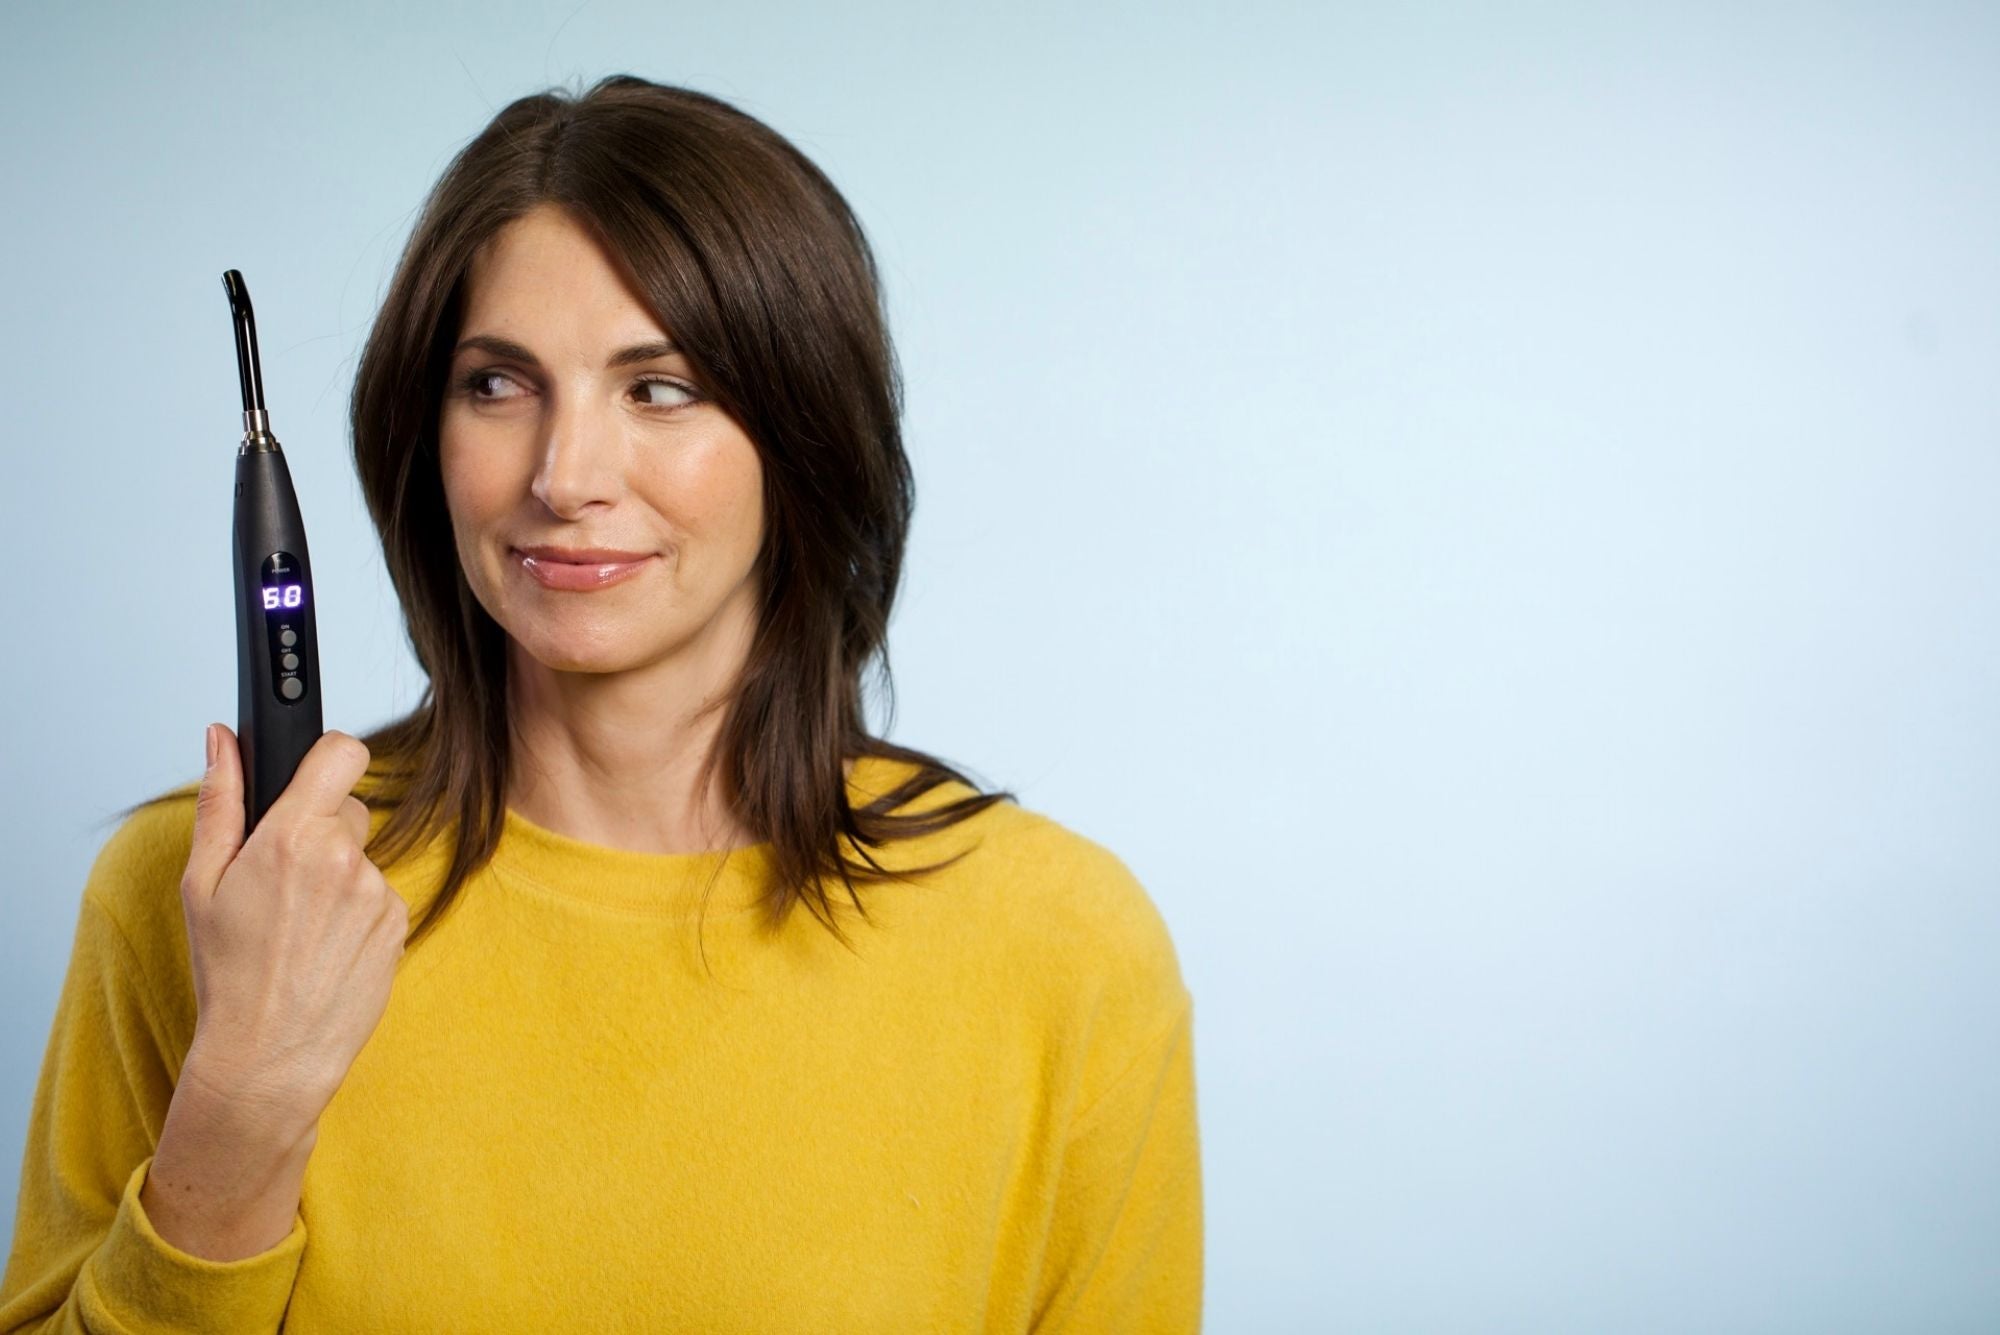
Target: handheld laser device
{"points": [[277, 641]]}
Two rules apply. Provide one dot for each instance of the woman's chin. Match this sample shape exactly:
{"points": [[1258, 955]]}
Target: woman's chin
{"points": [[583, 653]]}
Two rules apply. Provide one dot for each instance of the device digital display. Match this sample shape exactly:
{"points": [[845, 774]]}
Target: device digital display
{"points": [[280, 596], [282, 590]]}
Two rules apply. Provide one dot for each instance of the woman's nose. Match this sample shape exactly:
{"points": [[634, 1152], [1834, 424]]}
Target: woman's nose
{"points": [[582, 455]]}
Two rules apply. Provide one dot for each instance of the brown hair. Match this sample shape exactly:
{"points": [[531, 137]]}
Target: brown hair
{"points": [[757, 268]]}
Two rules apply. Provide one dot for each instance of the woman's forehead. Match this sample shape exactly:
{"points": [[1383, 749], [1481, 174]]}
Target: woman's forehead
{"points": [[543, 279]]}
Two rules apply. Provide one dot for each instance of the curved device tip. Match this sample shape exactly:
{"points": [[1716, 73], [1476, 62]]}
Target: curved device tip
{"points": [[247, 368], [239, 295]]}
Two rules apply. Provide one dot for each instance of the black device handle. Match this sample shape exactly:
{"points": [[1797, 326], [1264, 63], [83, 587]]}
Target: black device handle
{"points": [[278, 715]]}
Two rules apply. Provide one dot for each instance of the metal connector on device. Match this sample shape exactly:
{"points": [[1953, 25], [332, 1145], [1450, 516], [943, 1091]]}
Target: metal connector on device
{"points": [[257, 437]]}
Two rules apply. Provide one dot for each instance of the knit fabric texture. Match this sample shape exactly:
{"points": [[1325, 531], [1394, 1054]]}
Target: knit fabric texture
{"points": [[607, 1096]]}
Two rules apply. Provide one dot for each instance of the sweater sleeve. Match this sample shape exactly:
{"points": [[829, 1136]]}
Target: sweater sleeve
{"points": [[85, 1257], [1125, 1241]]}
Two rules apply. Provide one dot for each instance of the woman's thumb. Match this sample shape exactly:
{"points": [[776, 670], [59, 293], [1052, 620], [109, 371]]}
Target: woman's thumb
{"points": [[218, 813]]}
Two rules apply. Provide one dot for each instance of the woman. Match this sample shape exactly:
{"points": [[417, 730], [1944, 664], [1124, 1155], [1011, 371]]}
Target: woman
{"points": [[627, 424]]}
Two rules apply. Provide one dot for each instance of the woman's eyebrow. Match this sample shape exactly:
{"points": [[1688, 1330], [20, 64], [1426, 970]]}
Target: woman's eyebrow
{"points": [[507, 347]]}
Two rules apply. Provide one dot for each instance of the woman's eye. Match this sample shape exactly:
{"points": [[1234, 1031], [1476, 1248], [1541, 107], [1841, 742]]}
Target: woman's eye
{"points": [[473, 382], [645, 387]]}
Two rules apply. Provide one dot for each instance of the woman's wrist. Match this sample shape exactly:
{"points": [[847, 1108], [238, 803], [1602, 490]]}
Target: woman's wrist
{"points": [[227, 1174]]}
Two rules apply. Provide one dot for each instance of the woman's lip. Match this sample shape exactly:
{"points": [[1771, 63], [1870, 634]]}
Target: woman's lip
{"points": [[581, 556], [577, 576]]}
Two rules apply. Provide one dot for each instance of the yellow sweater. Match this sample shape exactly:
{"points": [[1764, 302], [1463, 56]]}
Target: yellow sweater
{"points": [[984, 1121]]}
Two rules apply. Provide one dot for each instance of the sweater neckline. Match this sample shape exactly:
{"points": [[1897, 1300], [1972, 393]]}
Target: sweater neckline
{"points": [[714, 882]]}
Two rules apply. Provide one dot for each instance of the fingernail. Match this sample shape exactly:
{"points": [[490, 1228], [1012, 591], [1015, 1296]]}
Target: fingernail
{"points": [[208, 737]]}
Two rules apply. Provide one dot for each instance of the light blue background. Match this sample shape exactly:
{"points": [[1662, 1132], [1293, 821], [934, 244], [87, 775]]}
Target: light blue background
{"points": [[1490, 511]]}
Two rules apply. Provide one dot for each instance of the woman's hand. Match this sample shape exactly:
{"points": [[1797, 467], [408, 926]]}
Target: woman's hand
{"points": [[293, 935]]}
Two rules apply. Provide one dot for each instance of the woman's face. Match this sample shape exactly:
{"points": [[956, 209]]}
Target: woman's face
{"points": [[561, 428]]}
